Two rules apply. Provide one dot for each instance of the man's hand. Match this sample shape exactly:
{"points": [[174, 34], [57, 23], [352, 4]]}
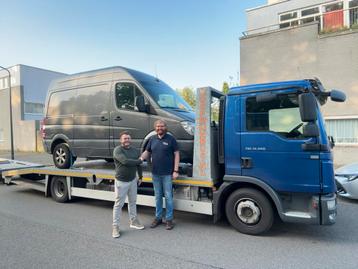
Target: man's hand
{"points": [[139, 181], [175, 175]]}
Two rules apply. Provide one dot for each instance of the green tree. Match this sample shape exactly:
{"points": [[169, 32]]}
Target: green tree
{"points": [[188, 95], [225, 87]]}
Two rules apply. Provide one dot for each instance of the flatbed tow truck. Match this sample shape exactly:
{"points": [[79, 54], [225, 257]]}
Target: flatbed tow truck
{"points": [[243, 168]]}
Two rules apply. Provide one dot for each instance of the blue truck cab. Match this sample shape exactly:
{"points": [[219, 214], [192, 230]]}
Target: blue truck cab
{"points": [[276, 156]]}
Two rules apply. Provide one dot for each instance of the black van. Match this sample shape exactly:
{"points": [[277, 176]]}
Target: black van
{"points": [[85, 112]]}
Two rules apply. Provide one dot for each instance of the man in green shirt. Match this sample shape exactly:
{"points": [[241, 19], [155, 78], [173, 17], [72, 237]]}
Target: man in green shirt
{"points": [[127, 163]]}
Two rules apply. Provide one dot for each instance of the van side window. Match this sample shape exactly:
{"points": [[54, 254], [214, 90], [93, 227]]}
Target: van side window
{"points": [[281, 116], [61, 103], [92, 100], [125, 95]]}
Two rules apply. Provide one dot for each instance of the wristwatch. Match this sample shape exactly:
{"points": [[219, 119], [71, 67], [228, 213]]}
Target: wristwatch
{"points": [[176, 171]]}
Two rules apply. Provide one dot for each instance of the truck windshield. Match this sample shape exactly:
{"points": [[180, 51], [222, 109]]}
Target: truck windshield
{"points": [[165, 96]]}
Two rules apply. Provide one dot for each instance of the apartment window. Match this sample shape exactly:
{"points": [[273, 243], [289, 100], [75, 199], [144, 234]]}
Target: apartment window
{"points": [[353, 3], [33, 108], [285, 25], [353, 12], [310, 11], [333, 7], [344, 131], [288, 16]]}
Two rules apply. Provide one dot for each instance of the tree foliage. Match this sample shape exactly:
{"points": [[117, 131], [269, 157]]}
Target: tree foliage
{"points": [[225, 88], [188, 95]]}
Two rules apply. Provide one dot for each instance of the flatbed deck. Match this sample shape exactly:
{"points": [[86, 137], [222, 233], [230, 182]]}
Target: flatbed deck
{"points": [[96, 172]]}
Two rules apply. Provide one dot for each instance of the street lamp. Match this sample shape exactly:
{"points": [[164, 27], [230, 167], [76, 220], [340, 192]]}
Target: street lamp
{"points": [[11, 130]]}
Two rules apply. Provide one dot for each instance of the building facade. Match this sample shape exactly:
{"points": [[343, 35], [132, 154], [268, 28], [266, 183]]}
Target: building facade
{"points": [[29, 87], [297, 39]]}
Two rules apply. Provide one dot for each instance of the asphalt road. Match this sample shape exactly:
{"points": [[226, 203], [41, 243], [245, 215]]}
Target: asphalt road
{"points": [[36, 232]]}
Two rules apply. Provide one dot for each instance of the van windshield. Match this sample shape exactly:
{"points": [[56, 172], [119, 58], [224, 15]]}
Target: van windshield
{"points": [[165, 96]]}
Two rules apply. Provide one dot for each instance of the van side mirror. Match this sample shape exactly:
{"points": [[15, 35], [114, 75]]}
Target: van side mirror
{"points": [[310, 130], [308, 107], [140, 103]]}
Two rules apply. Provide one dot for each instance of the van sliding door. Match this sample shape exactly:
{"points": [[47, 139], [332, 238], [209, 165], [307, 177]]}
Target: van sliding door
{"points": [[91, 128]]}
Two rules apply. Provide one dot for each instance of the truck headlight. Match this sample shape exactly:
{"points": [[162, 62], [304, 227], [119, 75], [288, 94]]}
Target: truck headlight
{"points": [[188, 126]]}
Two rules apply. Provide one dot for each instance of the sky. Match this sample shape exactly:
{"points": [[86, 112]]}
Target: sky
{"points": [[186, 43]]}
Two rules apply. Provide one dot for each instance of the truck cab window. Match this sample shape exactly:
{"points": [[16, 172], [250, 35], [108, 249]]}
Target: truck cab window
{"points": [[281, 116], [125, 95]]}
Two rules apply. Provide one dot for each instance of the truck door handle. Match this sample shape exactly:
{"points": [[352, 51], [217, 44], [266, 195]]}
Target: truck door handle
{"points": [[246, 162], [104, 118], [118, 118]]}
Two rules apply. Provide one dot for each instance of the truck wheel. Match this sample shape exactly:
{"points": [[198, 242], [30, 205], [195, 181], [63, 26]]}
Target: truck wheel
{"points": [[249, 211], [62, 156], [59, 190]]}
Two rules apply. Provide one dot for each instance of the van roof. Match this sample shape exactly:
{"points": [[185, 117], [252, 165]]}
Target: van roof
{"points": [[99, 75]]}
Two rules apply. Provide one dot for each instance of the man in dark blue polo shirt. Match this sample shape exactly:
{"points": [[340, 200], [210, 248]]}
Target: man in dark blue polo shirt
{"points": [[165, 166]]}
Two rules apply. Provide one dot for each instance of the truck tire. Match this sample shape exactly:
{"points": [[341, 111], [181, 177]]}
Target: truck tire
{"points": [[59, 190], [62, 156], [249, 211]]}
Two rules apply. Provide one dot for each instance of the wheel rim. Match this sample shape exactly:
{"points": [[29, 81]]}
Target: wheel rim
{"points": [[60, 156], [59, 188], [248, 211]]}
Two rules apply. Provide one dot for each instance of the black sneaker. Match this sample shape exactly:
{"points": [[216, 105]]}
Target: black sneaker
{"points": [[155, 223]]}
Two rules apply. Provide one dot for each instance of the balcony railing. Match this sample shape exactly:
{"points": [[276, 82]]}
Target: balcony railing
{"points": [[328, 22]]}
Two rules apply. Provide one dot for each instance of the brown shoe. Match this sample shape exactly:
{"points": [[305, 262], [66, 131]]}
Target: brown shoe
{"points": [[155, 223], [169, 225]]}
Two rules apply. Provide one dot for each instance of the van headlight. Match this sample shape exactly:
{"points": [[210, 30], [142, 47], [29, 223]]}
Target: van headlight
{"points": [[188, 126]]}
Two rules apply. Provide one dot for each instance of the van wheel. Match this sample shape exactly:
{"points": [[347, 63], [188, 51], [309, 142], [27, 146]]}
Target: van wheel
{"points": [[249, 211], [62, 156], [59, 190]]}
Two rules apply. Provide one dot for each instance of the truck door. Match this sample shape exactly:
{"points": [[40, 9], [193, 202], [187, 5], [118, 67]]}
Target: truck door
{"points": [[91, 121], [271, 144], [125, 115]]}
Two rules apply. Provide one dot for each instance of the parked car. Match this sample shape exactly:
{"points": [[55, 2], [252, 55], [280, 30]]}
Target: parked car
{"points": [[347, 181], [85, 112]]}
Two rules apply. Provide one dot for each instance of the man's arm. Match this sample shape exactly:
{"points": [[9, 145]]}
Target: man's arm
{"points": [[122, 158], [148, 149], [145, 155], [176, 164], [140, 174]]}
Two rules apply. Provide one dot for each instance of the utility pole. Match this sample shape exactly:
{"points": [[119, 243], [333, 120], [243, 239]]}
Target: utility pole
{"points": [[11, 129]]}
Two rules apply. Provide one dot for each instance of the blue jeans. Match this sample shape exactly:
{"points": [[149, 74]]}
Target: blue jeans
{"points": [[163, 184]]}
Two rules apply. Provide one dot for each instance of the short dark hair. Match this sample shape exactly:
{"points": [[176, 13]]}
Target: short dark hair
{"points": [[124, 133]]}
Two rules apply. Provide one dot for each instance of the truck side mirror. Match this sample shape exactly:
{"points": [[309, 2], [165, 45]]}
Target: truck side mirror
{"points": [[140, 103], [308, 107], [310, 130], [337, 96]]}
